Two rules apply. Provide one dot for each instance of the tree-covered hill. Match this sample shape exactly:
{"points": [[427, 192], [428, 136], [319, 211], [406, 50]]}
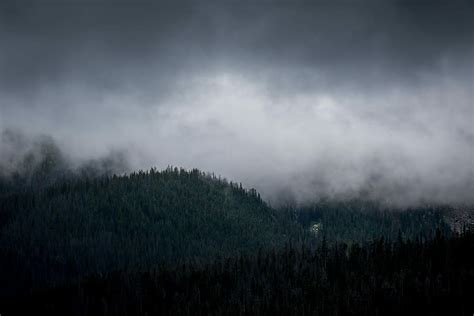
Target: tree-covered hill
{"points": [[87, 225], [61, 225]]}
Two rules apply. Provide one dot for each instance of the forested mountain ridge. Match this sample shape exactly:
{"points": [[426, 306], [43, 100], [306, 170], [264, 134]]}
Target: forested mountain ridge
{"points": [[84, 225], [152, 240]]}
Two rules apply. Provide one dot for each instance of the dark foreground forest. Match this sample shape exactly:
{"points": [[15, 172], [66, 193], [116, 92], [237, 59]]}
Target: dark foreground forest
{"points": [[418, 277], [79, 242]]}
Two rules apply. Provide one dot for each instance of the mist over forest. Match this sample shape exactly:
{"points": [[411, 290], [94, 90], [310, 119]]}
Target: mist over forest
{"points": [[264, 157]]}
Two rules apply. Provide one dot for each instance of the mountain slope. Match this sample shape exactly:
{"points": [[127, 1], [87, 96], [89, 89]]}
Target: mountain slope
{"points": [[84, 225]]}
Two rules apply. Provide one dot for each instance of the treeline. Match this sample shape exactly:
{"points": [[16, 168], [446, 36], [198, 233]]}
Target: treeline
{"points": [[77, 224], [403, 277]]}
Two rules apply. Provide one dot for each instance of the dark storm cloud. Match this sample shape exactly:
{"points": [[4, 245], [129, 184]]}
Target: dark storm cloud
{"points": [[323, 97], [110, 45], [99, 45]]}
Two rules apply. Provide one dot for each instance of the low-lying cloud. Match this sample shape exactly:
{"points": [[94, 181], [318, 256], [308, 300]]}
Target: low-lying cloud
{"points": [[300, 100]]}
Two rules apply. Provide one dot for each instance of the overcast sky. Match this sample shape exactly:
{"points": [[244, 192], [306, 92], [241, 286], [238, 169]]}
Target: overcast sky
{"points": [[301, 99]]}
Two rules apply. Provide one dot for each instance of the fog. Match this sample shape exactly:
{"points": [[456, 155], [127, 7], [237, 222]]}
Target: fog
{"points": [[301, 100]]}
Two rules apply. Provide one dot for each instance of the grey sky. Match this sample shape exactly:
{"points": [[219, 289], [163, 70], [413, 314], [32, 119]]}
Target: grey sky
{"points": [[311, 97]]}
